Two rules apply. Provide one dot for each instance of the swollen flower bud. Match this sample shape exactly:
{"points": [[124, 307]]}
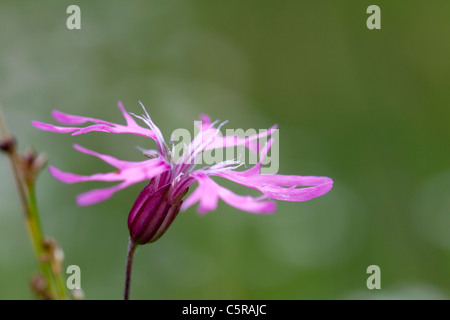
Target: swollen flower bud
{"points": [[153, 212]]}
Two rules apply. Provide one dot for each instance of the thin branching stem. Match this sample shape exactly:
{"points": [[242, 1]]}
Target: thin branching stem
{"points": [[54, 286]]}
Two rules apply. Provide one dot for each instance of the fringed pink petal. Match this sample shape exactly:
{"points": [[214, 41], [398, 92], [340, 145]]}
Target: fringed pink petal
{"points": [[119, 164], [210, 138], [98, 126], [129, 172], [208, 193], [282, 187], [129, 119], [251, 142], [99, 195], [70, 119], [68, 177], [276, 186], [247, 203], [52, 128], [148, 168]]}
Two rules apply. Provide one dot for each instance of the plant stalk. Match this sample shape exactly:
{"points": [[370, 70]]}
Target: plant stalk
{"points": [[45, 250], [131, 249]]}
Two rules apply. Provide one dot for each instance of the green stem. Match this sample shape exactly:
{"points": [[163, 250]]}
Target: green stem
{"points": [[54, 277], [33, 223], [131, 249]]}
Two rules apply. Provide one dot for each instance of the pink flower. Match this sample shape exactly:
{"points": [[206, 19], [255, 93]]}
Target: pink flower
{"points": [[170, 179]]}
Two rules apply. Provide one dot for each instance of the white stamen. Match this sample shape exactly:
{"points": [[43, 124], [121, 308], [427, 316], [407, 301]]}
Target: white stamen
{"points": [[177, 178], [159, 137], [149, 153]]}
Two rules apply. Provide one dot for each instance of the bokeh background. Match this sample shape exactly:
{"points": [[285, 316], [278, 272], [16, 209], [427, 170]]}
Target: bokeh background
{"points": [[369, 108]]}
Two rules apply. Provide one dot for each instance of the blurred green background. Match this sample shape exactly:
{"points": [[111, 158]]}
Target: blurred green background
{"points": [[369, 108]]}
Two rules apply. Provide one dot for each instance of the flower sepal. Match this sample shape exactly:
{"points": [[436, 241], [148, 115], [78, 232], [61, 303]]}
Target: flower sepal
{"points": [[153, 212]]}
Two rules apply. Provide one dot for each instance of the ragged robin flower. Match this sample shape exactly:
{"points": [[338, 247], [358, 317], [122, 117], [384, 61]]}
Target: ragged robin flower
{"points": [[169, 178]]}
